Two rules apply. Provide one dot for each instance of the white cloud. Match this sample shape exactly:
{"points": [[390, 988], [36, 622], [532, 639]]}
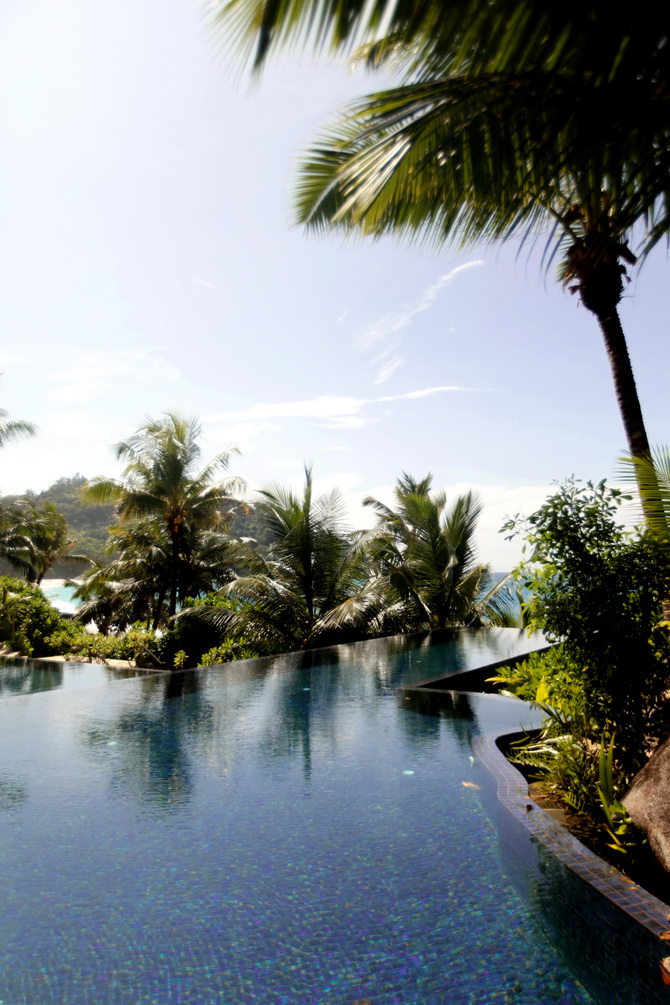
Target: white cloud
{"points": [[389, 367], [242, 435], [86, 378], [387, 329], [334, 410], [80, 425], [395, 321]]}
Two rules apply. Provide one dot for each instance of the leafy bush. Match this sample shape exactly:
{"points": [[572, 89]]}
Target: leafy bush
{"points": [[138, 644], [548, 678], [231, 649], [599, 590], [27, 619]]}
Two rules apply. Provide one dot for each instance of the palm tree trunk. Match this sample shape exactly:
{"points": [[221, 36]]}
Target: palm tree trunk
{"points": [[158, 609], [627, 398], [172, 610], [624, 383], [600, 289]]}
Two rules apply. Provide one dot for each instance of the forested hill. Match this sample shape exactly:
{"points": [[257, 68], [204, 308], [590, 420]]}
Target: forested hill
{"points": [[87, 524]]}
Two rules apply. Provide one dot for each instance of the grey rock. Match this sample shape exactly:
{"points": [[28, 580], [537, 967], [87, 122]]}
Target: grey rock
{"points": [[648, 803]]}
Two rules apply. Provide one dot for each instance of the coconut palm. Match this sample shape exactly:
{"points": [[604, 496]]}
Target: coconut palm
{"points": [[512, 118], [135, 584], [426, 553], [312, 588], [16, 546], [46, 530], [163, 484]]}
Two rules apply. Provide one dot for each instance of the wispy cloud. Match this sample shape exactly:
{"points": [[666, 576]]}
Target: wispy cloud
{"points": [[197, 282], [385, 332], [333, 410], [95, 373], [389, 367]]}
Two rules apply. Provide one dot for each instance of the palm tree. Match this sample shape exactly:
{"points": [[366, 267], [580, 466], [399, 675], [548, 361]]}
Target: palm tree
{"points": [[311, 589], [46, 530], [426, 554], [512, 118], [163, 484], [14, 429], [16, 546]]}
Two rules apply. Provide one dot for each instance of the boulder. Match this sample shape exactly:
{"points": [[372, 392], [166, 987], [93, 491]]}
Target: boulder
{"points": [[648, 803]]}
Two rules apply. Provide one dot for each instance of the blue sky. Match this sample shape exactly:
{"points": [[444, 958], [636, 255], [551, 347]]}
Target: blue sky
{"points": [[148, 263]]}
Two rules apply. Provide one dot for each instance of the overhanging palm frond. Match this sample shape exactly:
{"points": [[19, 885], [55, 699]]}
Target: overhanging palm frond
{"points": [[651, 476], [479, 34], [465, 159], [14, 429]]}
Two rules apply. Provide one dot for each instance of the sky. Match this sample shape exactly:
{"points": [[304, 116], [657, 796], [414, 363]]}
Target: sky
{"points": [[148, 263]]}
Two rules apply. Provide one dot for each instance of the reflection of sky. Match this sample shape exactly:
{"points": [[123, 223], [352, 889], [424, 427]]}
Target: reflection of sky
{"points": [[270, 831]]}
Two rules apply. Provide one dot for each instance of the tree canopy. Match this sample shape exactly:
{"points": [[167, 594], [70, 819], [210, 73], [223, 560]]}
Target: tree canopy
{"points": [[168, 499]]}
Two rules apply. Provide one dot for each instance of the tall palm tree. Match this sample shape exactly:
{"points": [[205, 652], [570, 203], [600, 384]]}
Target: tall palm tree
{"points": [[426, 553], [512, 118], [162, 482], [46, 528], [311, 589]]}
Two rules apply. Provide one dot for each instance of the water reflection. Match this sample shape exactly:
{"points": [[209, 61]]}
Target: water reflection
{"points": [[12, 793], [28, 677], [300, 709], [151, 738], [432, 708]]}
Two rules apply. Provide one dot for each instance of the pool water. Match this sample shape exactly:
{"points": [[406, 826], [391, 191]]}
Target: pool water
{"points": [[270, 831], [29, 676]]}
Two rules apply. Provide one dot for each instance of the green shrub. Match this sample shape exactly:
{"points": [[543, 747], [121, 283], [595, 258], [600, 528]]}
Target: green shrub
{"points": [[599, 590], [230, 649], [27, 619], [549, 678]]}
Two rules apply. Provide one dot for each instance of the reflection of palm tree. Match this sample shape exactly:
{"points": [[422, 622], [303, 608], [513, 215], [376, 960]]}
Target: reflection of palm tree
{"points": [[153, 736], [453, 706], [426, 554], [12, 793]]}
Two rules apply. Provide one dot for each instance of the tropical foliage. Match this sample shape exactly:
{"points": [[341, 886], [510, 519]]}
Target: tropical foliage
{"points": [[598, 592], [27, 619], [320, 583], [424, 554], [170, 543], [311, 589], [14, 429]]}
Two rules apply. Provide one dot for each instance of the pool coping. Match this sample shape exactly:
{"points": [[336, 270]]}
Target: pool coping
{"points": [[513, 795]]}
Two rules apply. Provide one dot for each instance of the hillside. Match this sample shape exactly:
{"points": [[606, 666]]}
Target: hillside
{"points": [[87, 524]]}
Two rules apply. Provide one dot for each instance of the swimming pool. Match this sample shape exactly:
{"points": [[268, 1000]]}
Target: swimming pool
{"points": [[270, 831]]}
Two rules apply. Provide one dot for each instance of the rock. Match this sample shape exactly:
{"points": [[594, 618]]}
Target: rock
{"points": [[648, 803]]}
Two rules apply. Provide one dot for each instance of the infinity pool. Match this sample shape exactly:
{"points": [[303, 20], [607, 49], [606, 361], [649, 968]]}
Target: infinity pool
{"points": [[269, 831]]}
